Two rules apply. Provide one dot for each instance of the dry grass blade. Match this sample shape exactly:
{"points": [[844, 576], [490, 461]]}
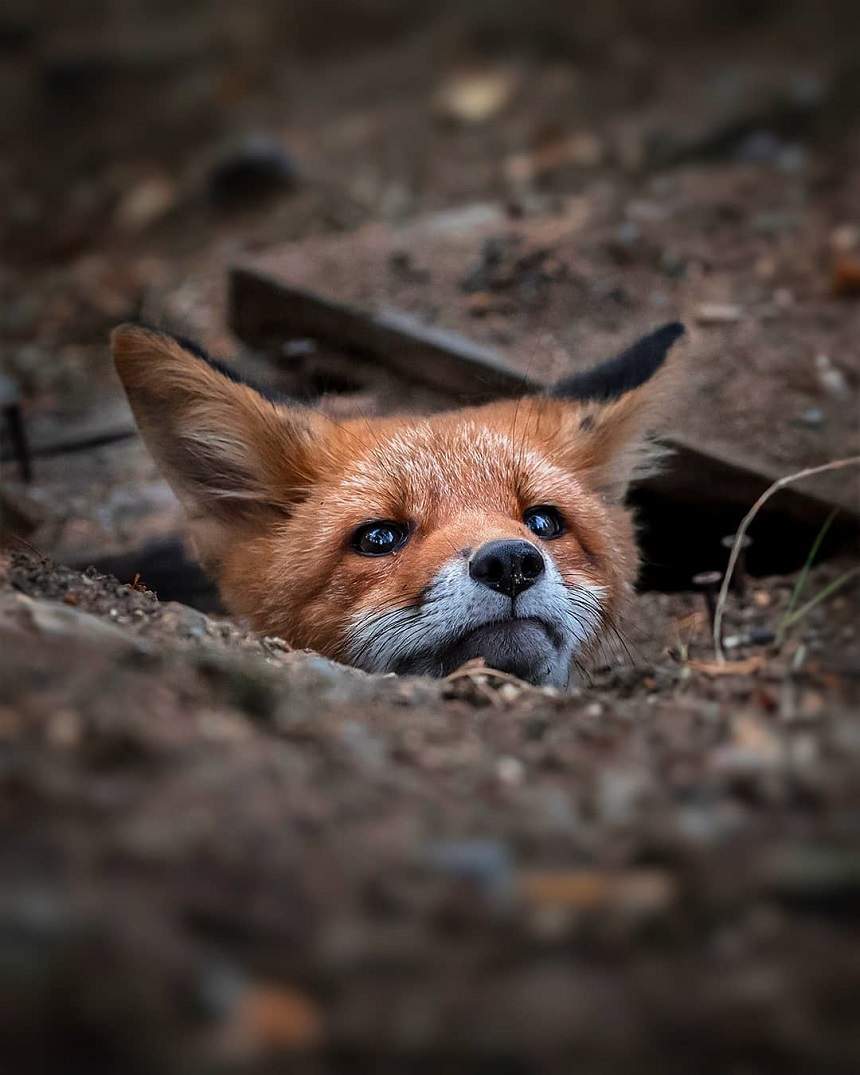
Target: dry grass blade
{"points": [[822, 595], [809, 472], [477, 668], [800, 585]]}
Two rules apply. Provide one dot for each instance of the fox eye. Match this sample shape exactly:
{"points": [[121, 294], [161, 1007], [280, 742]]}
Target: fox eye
{"points": [[379, 538], [545, 521]]}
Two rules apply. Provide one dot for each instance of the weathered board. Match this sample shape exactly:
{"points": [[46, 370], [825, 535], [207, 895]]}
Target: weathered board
{"points": [[264, 311]]}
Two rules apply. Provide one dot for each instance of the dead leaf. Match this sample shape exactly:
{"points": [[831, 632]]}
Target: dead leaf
{"points": [[270, 1019], [582, 150], [716, 669], [631, 890], [845, 281]]}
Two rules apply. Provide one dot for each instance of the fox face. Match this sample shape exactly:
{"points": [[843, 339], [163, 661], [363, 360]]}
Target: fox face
{"points": [[404, 544]]}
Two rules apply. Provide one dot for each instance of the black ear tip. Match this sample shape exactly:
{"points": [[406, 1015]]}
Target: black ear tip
{"points": [[627, 371], [667, 334]]}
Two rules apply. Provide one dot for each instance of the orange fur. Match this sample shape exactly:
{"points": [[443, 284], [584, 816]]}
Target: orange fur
{"points": [[274, 491]]}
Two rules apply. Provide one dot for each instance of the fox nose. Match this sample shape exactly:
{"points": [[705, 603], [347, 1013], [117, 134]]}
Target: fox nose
{"points": [[508, 567]]}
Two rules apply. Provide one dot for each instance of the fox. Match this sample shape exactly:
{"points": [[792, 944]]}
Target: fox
{"points": [[411, 544]]}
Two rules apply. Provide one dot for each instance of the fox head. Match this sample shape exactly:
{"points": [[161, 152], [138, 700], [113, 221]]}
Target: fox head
{"points": [[409, 544]]}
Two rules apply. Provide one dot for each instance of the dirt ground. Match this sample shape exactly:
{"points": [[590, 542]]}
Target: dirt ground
{"points": [[222, 855], [219, 853]]}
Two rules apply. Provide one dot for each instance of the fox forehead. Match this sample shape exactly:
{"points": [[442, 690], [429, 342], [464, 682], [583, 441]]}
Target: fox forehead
{"points": [[457, 460]]}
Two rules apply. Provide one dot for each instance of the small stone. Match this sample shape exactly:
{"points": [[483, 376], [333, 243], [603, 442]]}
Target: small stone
{"points": [[718, 313], [300, 347], [813, 417], [510, 771], [844, 238], [473, 97], [830, 377], [64, 730], [255, 170], [484, 863], [145, 203]]}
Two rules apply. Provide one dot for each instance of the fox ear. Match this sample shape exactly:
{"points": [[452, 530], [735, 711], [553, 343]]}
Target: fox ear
{"points": [[226, 449], [616, 407]]}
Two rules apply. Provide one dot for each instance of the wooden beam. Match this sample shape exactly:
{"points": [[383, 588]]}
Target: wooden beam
{"points": [[264, 311]]}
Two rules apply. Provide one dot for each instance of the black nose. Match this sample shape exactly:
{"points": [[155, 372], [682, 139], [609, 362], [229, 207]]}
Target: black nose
{"points": [[507, 566]]}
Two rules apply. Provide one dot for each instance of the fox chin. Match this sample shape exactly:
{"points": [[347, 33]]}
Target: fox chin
{"points": [[411, 544]]}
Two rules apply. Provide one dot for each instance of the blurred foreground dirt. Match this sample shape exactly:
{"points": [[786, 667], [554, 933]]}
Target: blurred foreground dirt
{"points": [[219, 854]]}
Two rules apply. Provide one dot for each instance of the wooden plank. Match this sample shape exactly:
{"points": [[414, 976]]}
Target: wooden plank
{"points": [[102, 425], [264, 311], [697, 476]]}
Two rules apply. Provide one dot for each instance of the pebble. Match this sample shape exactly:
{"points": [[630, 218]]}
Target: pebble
{"points": [[473, 97], [845, 237], [510, 771], [485, 863], [145, 203], [299, 347], [718, 313], [812, 417], [256, 169], [830, 377]]}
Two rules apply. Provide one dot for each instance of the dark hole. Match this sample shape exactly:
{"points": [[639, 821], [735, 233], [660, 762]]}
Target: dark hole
{"points": [[165, 568], [320, 382], [679, 539]]}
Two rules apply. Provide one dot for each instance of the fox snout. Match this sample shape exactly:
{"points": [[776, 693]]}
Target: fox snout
{"points": [[507, 602], [410, 544], [507, 567]]}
